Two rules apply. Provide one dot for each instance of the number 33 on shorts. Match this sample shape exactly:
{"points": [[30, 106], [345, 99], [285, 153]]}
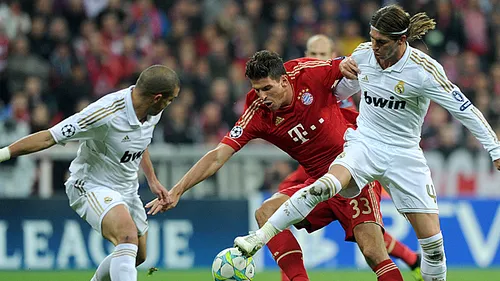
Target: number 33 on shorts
{"points": [[365, 209]]}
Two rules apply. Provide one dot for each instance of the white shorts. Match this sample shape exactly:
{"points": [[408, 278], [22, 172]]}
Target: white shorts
{"points": [[92, 203], [403, 172]]}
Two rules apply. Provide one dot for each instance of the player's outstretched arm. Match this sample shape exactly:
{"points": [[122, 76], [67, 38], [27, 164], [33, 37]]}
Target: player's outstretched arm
{"points": [[210, 163], [29, 144], [154, 184]]}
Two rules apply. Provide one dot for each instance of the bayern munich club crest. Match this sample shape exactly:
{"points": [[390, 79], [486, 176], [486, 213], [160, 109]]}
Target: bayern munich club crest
{"points": [[236, 132], [306, 97]]}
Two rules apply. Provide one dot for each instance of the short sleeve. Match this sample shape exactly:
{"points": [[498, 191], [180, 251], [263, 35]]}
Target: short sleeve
{"points": [[86, 124], [248, 127]]}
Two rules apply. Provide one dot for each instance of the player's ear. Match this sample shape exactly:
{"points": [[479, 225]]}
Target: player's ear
{"points": [[157, 97], [283, 80]]}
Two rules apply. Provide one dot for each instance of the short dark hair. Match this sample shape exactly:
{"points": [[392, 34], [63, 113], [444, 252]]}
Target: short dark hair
{"points": [[158, 79], [265, 64]]}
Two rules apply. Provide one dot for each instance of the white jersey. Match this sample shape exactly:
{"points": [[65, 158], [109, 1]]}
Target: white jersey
{"points": [[394, 101], [112, 141]]}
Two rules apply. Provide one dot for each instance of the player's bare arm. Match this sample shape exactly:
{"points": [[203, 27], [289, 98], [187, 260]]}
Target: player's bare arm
{"points": [[349, 68], [208, 165], [154, 184], [29, 144], [497, 164]]}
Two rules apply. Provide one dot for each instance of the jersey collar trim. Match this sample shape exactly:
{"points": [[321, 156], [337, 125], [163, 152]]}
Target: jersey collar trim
{"points": [[131, 116]]}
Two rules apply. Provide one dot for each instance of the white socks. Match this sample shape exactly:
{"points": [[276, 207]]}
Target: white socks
{"points": [[102, 272], [433, 266], [302, 202], [122, 266]]}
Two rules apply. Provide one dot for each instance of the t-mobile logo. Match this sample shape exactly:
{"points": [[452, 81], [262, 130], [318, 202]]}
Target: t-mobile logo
{"points": [[298, 133]]}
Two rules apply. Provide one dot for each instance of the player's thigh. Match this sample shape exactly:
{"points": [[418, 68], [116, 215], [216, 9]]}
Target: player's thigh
{"points": [[408, 181], [118, 226], [425, 225], [142, 249], [364, 209], [138, 213], [363, 162], [94, 204]]}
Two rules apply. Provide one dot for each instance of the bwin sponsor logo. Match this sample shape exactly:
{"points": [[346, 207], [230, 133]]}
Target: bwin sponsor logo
{"points": [[381, 102]]}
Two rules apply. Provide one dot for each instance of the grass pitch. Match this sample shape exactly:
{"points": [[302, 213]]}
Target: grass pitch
{"points": [[205, 275]]}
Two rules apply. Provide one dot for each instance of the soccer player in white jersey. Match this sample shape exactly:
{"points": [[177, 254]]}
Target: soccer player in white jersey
{"points": [[114, 134], [397, 83]]}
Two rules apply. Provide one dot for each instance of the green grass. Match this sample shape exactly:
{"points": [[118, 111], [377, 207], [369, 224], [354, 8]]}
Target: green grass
{"points": [[205, 275]]}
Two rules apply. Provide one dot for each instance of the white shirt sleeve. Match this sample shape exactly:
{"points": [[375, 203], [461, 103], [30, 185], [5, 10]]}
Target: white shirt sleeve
{"points": [[438, 88], [90, 123], [346, 88]]}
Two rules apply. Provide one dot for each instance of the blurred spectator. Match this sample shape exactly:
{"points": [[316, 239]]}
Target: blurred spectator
{"points": [[72, 89], [21, 64], [58, 55], [14, 21], [177, 125], [40, 43]]}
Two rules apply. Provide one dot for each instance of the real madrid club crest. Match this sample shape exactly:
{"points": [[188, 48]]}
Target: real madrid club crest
{"points": [[305, 97], [400, 87]]}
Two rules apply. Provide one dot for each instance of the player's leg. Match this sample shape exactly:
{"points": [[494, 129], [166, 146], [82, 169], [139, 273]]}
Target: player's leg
{"points": [[413, 194], [301, 203], [284, 247], [397, 249], [119, 228], [141, 251], [427, 229], [370, 239], [366, 226]]}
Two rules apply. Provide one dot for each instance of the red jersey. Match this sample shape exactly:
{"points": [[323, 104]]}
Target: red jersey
{"points": [[310, 129]]}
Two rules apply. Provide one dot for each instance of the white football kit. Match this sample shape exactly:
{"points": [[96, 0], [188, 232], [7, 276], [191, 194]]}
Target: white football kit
{"points": [[393, 104], [104, 172]]}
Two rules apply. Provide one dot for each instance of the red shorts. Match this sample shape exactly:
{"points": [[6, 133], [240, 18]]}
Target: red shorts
{"points": [[350, 212]]}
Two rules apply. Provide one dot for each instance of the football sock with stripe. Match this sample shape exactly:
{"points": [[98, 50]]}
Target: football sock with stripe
{"points": [[123, 263], [387, 271], [433, 266], [287, 253], [102, 272], [303, 201]]}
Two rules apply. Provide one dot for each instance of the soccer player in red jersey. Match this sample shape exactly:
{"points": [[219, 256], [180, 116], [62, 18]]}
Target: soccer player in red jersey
{"points": [[321, 47], [292, 106]]}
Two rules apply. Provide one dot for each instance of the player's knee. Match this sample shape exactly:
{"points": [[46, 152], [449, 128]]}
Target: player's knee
{"points": [[374, 254], [129, 237], [263, 213]]}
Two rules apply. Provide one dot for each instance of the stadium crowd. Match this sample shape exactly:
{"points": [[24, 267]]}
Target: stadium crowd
{"points": [[56, 56]]}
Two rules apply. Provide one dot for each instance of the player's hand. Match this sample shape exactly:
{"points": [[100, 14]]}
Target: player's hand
{"points": [[154, 206], [349, 68], [497, 164], [160, 191]]}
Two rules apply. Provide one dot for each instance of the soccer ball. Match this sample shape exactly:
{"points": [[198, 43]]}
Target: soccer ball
{"points": [[231, 264]]}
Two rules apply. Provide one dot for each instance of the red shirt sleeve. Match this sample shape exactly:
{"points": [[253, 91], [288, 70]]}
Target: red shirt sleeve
{"points": [[248, 127]]}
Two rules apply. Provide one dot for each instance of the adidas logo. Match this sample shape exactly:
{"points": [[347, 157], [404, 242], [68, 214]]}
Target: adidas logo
{"points": [[126, 139], [278, 120], [365, 79]]}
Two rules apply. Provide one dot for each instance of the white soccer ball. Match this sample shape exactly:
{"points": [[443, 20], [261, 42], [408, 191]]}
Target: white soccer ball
{"points": [[231, 264]]}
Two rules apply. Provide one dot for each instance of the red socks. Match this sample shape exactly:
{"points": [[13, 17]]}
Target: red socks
{"points": [[399, 250], [288, 254], [387, 271]]}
